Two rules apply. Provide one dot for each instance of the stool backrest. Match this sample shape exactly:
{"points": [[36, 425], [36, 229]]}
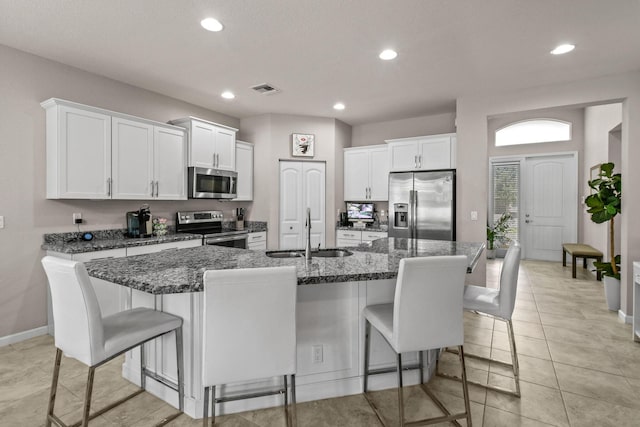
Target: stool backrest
{"points": [[249, 323], [509, 280], [428, 303], [76, 314]]}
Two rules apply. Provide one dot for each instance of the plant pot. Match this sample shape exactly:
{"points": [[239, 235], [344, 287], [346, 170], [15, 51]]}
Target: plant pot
{"points": [[612, 292], [491, 253]]}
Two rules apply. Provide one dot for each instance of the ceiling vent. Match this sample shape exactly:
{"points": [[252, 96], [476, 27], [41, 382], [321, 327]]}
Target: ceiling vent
{"points": [[265, 89]]}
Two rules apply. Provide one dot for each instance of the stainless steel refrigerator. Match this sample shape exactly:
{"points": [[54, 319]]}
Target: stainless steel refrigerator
{"points": [[422, 205]]}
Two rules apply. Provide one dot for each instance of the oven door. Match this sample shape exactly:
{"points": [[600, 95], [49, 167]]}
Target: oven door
{"points": [[212, 183], [236, 241]]}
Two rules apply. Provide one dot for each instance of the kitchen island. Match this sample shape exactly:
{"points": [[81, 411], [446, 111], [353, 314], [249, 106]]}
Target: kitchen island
{"points": [[332, 294]]}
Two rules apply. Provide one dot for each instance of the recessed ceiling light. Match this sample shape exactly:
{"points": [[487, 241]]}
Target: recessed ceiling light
{"points": [[338, 106], [227, 95], [211, 24], [563, 48], [388, 54]]}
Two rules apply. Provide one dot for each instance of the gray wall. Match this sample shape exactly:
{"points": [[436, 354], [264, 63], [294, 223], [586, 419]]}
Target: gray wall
{"points": [[25, 81], [599, 121], [271, 134], [377, 133]]}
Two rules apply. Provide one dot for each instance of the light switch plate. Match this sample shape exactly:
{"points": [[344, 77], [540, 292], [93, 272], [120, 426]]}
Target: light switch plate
{"points": [[1, 221]]}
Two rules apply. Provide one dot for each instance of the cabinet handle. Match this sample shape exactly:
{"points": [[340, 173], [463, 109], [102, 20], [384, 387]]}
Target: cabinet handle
{"points": [[415, 161], [217, 159], [157, 188], [420, 161], [151, 188], [109, 187], [213, 160]]}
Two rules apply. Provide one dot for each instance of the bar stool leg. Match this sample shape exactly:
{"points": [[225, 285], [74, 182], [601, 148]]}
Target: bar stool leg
{"points": [[54, 386], [205, 407], [294, 413], [400, 394], [367, 344], [514, 357], [87, 397], [180, 362], [213, 405], [465, 388], [143, 366]]}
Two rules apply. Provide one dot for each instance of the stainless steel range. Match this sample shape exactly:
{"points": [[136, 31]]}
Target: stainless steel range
{"points": [[209, 225]]}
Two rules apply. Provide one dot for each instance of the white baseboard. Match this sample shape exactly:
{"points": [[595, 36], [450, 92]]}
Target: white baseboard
{"points": [[25, 335], [626, 319]]}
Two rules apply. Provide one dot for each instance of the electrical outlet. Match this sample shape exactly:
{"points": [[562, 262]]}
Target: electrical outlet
{"points": [[1, 221], [474, 215], [77, 218], [316, 353]]}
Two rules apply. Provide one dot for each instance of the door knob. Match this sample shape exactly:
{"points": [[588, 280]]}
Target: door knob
{"points": [[290, 228], [528, 221]]}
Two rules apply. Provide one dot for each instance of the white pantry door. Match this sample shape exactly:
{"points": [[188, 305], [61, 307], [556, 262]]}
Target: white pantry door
{"points": [[550, 205], [302, 185]]}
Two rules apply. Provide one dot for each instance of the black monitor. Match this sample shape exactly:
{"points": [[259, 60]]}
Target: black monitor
{"points": [[360, 212]]}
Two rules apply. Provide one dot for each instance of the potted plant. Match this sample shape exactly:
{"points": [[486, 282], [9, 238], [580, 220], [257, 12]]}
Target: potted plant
{"points": [[603, 205], [495, 232]]}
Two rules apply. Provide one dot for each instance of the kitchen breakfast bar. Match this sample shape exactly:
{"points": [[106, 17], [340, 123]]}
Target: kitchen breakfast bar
{"points": [[331, 294]]}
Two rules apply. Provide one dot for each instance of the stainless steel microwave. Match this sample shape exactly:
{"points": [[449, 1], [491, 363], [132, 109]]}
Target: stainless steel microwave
{"points": [[212, 183]]}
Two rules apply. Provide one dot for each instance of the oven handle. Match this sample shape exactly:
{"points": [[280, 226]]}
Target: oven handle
{"points": [[225, 239]]}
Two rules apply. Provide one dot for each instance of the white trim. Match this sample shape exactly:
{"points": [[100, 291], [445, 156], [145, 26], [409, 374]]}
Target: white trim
{"points": [[24, 335], [624, 317]]}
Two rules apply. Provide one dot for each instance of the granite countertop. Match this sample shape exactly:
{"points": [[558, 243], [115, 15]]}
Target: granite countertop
{"points": [[69, 243], [382, 228], [181, 270]]}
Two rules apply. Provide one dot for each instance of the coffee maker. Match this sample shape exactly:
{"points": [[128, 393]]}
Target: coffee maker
{"points": [[139, 222]]}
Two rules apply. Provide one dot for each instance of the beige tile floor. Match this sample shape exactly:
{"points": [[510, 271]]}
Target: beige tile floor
{"points": [[579, 367]]}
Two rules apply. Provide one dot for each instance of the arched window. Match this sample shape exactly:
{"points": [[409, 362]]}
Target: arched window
{"points": [[533, 131]]}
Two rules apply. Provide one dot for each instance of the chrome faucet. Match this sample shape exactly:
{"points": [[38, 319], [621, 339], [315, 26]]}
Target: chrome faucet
{"points": [[307, 249]]}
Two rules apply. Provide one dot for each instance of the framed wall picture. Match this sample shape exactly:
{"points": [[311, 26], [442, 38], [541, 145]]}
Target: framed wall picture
{"points": [[302, 145]]}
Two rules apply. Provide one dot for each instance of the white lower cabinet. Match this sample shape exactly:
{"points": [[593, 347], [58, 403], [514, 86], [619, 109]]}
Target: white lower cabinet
{"points": [[330, 344], [346, 238], [257, 241]]}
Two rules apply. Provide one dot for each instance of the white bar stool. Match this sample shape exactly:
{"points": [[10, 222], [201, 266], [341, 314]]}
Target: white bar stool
{"points": [[499, 304], [426, 314], [83, 334], [249, 312]]}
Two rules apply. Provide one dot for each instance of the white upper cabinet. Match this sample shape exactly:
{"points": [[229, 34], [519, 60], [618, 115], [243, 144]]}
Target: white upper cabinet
{"points": [[99, 154], [211, 145], [169, 160], [244, 167], [132, 163], [366, 173], [78, 152], [422, 153]]}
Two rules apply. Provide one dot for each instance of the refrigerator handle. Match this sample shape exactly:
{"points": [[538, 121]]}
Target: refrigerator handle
{"points": [[414, 214], [410, 213]]}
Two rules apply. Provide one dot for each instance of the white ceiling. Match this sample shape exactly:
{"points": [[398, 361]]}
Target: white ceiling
{"points": [[319, 52]]}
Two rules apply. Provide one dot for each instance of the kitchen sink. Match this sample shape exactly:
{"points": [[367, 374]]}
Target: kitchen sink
{"points": [[284, 254], [322, 253], [331, 253]]}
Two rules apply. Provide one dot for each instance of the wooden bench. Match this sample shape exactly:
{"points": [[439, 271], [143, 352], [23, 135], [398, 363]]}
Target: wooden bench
{"points": [[577, 250]]}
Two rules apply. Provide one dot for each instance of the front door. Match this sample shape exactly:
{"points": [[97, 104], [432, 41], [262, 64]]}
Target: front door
{"points": [[550, 214]]}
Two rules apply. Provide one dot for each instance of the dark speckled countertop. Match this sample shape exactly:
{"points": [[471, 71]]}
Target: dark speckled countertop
{"points": [[181, 270], [69, 243]]}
